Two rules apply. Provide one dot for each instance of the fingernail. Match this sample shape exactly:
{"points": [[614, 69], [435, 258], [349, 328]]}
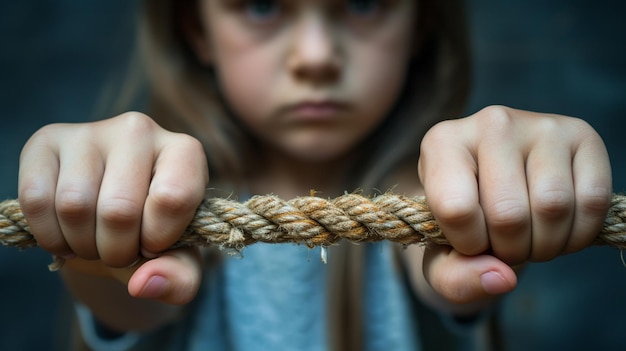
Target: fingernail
{"points": [[494, 284], [154, 287]]}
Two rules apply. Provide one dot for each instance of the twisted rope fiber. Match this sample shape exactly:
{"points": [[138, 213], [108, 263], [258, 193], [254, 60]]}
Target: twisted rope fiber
{"points": [[310, 220]]}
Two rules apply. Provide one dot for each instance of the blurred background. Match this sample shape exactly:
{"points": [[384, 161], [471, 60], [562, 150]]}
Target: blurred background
{"points": [[559, 56]]}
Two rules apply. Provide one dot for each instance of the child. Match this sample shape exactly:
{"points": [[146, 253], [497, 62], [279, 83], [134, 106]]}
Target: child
{"points": [[282, 97]]}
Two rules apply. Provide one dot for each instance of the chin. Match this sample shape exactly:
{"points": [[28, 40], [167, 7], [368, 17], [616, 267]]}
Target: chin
{"points": [[318, 147], [318, 153]]}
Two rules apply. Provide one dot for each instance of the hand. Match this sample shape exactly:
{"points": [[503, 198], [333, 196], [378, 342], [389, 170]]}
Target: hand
{"points": [[111, 191], [508, 187]]}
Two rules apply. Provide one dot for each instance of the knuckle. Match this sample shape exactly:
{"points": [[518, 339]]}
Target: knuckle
{"points": [[193, 148], [173, 199], [583, 127], [36, 205], [594, 200], [554, 203], [506, 214], [50, 135], [34, 201], [455, 210], [74, 204], [495, 116], [136, 123], [47, 133], [119, 211], [439, 134], [190, 143], [549, 127]]}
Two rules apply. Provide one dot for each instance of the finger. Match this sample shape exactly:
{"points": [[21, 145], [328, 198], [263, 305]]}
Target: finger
{"points": [[97, 268], [76, 197], [448, 173], [177, 189], [504, 198], [465, 279], [121, 200], [174, 277], [552, 198], [593, 188], [37, 182]]}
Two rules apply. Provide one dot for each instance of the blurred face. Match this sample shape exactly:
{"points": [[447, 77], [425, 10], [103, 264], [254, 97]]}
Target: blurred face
{"points": [[309, 78]]}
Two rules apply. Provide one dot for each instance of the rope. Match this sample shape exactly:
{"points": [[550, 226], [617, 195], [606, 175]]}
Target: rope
{"points": [[310, 220]]}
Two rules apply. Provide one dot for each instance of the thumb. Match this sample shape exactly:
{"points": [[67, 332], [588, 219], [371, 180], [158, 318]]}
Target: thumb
{"points": [[464, 279], [174, 277]]}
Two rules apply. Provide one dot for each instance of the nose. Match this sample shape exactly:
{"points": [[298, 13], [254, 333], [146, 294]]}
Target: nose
{"points": [[314, 50]]}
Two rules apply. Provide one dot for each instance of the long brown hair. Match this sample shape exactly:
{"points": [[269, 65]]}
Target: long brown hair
{"points": [[184, 96]]}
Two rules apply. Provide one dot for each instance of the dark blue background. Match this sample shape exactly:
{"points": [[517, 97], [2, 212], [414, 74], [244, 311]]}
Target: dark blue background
{"points": [[557, 56]]}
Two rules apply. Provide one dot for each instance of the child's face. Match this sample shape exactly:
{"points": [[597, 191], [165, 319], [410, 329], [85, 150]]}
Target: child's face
{"points": [[309, 78]]}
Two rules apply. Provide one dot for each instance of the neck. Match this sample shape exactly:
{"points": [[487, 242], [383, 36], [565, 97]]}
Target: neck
{"points": [[288, 177]]}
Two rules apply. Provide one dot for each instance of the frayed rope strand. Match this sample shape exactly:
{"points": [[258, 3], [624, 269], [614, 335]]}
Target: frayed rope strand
{"points": [[310, 220]]}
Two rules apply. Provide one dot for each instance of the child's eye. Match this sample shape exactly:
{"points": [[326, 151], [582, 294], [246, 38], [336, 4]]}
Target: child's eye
{"points": [[261, 10], [363, 8]]}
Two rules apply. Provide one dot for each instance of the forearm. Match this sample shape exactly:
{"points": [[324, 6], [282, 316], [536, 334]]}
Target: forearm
{"points": [[110, 303]]}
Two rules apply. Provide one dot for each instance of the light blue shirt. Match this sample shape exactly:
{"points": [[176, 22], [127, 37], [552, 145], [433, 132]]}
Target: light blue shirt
{"points": [[274, 298]]}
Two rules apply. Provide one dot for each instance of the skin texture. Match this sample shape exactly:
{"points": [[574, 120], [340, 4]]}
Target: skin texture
{"points": [[521, 186], [310, 81], [310, 54]]}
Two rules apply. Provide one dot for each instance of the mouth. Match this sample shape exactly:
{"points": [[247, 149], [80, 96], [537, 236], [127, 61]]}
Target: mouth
{"points": [[316, 111]]}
